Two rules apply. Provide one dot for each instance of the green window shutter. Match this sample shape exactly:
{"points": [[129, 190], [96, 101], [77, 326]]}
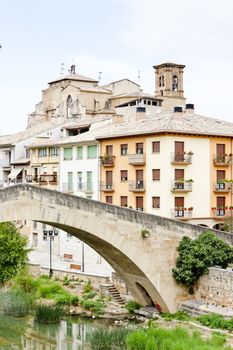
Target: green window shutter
{"points": [[80, 152], [70, 182], [91, 151], [68, 154], [89, 181]]}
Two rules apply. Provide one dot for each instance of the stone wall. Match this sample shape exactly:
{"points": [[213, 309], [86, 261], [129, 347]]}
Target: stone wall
{"points": [[216, 287], [37, 271]]}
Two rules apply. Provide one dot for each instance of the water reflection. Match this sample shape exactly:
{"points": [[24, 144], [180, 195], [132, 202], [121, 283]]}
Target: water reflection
{"points": [[65, 336], [25, 334]]}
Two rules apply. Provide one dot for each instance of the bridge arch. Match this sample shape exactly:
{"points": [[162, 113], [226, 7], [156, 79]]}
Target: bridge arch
{"points": [[144, 264]]}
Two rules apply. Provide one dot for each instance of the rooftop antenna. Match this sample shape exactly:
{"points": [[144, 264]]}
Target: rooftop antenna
{"points": [[139, 77], [100, 75], [62, 68]]}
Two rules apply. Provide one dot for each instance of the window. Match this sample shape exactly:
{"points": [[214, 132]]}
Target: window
{"points": [[139, 203], [161, 81], [53, 151], [124, 175], [34, 224], [79, 180], [89, 181], [80, 152], [43, 226], [44, 170], [70, 182], [124, 201], [156, 202], [68, 153], [42, 152], [155, 174], [91, 151], [109, 150], [174, 83], [139, 148], [27, 153], [155, 146], [124, 149], [109, 199]]}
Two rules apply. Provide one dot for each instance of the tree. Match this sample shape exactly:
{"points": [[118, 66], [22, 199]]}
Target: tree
{"points": [[13, 251], [196, 256]]}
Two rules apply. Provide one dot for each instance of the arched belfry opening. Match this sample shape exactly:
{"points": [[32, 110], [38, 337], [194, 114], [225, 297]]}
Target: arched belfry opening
{"points": [[175, 83], [69, 102]]}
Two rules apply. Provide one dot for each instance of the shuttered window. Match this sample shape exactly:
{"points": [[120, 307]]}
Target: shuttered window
{"points": [[124, 201], [155, 202], [68, 153], [91, 151], [109, 199], [79, 152], [124, 175], [155, 174], [156, 147]]}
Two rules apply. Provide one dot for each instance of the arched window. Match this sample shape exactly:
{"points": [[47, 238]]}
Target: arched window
{"points": [[69, 102], [174, 83], [161, 81]]}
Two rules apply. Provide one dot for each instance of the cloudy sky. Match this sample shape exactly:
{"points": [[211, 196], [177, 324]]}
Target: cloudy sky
{"points": [[117, 38]]}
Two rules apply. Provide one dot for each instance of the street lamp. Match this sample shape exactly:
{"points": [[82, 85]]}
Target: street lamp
{"points": [[50, 234]]}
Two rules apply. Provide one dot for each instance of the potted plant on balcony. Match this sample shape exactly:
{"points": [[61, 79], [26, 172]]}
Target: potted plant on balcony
{"points": [[190, 209]]}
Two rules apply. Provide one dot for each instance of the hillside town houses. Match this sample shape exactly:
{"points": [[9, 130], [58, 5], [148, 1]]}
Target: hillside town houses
{"points": [[120, 145]]}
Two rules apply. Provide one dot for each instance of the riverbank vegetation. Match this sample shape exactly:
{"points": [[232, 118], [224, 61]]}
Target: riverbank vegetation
{"points": [[155, 338]]}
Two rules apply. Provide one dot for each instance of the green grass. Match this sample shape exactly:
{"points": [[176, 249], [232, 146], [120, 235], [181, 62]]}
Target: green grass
{"points": [[173, 339], [102, 339], [216, 321], [16, 302], [179, 315], [48, 314]]}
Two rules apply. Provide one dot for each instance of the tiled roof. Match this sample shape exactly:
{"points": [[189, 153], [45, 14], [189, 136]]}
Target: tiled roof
{"points": [[76, 77], [162, 122]]}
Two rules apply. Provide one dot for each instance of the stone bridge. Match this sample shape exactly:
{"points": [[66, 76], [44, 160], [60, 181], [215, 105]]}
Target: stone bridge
{"points": [[144, 264]]}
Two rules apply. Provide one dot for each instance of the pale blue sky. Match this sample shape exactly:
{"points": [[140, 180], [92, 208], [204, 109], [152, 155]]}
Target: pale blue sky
{"points": [[118, 38]]}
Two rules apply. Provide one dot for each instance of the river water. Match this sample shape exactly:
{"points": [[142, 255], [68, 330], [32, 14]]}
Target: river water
{"points": [[69, 334]]}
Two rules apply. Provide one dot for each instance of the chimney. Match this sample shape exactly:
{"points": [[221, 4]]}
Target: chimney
{"points": [[140, 113], [178, 113], [189, 108], [72, 69]]}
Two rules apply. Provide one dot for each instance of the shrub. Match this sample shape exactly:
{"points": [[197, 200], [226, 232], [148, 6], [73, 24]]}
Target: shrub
{"points": [[132, 305], [50, 289], [195, 256], [89, 295], [48, 314], [66, 299], [96, 306], [87, 287]]}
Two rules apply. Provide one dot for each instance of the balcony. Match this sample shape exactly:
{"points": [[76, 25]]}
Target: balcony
{"points": [[67, 187], [222, 159], [43, 179], [223, 186], [85, 187], [182, 158], [222, 212], [182, 213], [107, 186], [107, 161], [182, 185], [137, 186], [137, 159]]}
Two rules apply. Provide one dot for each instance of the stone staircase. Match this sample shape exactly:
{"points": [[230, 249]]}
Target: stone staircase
{"points": [[112, 291]]}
